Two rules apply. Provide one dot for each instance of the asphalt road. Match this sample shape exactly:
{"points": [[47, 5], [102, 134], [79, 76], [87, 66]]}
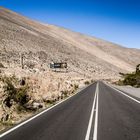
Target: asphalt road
{"points": [[119, 116], [96, 113]]}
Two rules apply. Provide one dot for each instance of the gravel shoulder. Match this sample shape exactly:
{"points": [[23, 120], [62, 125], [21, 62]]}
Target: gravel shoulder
{"points": [[130, 90]]}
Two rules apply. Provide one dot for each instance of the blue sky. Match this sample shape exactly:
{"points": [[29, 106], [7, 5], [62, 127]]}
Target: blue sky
{"points": [[117, 21]]}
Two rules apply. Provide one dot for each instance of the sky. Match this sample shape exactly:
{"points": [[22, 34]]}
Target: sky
{"points": [[116, 21]]}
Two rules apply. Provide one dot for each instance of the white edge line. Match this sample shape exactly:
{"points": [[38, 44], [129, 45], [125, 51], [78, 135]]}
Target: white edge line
{"points": [[124, 94], [96, 117], [91, 116], [39, 114]]}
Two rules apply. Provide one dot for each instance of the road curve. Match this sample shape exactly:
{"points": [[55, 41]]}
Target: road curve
{"points": [[96, 113]]}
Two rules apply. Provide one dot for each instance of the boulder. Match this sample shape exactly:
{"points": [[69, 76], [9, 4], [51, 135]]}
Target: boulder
{"points": [[37, 105], [32, 105]]}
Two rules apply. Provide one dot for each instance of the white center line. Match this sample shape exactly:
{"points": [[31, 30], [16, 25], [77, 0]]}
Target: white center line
{"points": [[96, 117], [91, 116]]}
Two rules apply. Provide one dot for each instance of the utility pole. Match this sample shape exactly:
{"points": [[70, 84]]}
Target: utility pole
{"points": [[21, 60]]}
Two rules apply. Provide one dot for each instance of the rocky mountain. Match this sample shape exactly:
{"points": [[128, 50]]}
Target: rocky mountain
{"points": [[42, 43]]}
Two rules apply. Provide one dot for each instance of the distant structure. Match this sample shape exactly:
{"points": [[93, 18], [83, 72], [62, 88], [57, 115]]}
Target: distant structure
{"points": [[21, 60], [54, 65]]}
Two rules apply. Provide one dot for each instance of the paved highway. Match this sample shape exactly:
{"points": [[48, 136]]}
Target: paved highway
{"points": [[98, 112]]}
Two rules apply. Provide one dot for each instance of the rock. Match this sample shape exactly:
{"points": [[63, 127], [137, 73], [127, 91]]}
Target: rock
{"points": [[37, 105], [35, 70], [32, 105], [45, 98], [5, 117]]}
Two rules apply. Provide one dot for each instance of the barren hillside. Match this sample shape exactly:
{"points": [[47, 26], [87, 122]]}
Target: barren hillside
{"points": [[44, 43], [23, 91]]}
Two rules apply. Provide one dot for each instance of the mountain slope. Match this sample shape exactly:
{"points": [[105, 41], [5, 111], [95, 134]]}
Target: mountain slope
{"points": [[44, 43]]}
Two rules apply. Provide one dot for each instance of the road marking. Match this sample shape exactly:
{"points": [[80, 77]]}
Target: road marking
{"points": [[91, 116], [96, 116], [124, 94], [39, 114]]}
